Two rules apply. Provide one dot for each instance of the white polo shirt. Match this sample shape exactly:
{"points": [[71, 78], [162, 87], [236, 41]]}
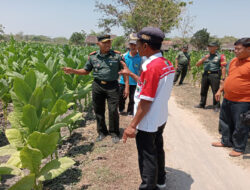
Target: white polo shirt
{"points": [[155, 84]]}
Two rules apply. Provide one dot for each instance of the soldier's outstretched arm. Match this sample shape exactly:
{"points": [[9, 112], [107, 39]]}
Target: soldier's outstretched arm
{"points": [[68, 70]]}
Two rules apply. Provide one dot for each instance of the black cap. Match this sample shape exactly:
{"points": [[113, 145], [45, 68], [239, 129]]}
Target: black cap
{"points": [[151, 34], [213, 44], [103, 38]]}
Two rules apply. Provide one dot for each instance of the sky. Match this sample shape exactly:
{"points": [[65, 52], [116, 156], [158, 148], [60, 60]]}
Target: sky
{"points": [[60, 18]]}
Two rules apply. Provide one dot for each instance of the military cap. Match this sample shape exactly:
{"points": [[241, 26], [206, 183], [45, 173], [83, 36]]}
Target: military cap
{"points": [[132, 38], [103, 38], [151, 34], [213, 43]]}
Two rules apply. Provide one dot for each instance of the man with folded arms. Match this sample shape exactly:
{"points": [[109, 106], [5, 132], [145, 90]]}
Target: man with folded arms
{"points": [[236, 100]]}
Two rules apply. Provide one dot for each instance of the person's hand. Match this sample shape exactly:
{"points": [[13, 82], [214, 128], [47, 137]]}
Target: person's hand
{"points": [[218, 95], [67, 70], [129, 132], [126, 92], [206, 56], [125, 70]]}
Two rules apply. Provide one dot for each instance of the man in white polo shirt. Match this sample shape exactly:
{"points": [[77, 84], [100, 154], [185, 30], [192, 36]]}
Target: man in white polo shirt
{"points": [[151, 108]]}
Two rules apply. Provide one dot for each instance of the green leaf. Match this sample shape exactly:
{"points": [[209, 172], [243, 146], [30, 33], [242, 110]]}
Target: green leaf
{"points": [[14, 118], [30, 79], [6, 169], [46, 143], [36, 100], [7, 150], [57, 83], [26, 183], [15, 160], [55, 128], [49, 97], [31, 158], [15, 137], [55, 168], [46, 121], [14, 75], [83, 92], [22, 90], [72, 118], [4, 87], [29, 118], [60, 107]]}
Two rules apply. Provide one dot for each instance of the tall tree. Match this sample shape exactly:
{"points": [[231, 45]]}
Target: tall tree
{"points": [[133, 15], [185, 27], [77, 38], [200, 39]]}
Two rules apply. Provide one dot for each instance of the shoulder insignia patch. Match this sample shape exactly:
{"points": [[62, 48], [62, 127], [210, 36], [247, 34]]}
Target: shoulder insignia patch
{"points": [[92, 53]]}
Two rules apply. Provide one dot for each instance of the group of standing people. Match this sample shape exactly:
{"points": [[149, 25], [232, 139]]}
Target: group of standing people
{"points": [[148, 85]]}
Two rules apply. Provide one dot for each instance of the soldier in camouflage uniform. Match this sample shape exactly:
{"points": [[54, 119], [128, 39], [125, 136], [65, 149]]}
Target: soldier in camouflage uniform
{"points": [[214, 67], [182, 63], [105, 64]]}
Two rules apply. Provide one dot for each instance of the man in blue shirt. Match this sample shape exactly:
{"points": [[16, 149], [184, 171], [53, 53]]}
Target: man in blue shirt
{"points": [[133, 61]]}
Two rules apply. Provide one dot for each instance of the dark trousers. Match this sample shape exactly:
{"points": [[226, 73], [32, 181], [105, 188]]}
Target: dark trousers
{"points": [[101, 93], [151, 157], [131, 102], [233, 132], [181, 71], [212, 80]]}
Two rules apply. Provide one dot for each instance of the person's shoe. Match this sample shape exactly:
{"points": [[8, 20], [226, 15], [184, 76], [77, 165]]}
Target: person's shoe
{"points": [[216, 110], [235, 153], [115, 139], [218, 144], [199, 106], [161, 186], [100, 137]]}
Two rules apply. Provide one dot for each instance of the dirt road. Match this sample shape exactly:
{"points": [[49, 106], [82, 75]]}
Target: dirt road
{"points": [[192, 163]]}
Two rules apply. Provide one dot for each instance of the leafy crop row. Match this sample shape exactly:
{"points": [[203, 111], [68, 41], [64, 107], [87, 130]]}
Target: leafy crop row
{"points": [[32, 81]]}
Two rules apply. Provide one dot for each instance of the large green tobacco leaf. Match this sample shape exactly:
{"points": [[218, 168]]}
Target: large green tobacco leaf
{"points": [[29, 118], [57, 83], [46, 143], [22, 90], [31, 158], [4, 87], [14, 118], [6, 169], [83, 92], [15, 160], [60, 107], [36, 100], [55, 168], [72, 118], [15, 137], [30, 79], [47, 119], [26, 183], [7, 150], [49, 97], [55, 128]]}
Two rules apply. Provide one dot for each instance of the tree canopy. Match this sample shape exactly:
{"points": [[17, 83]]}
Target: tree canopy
{"points": [[133, 15], [200, 39], [78, 38]]}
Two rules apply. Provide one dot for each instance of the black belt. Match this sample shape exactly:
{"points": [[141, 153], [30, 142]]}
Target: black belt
{"points": [[211, 72], [102, 82]]}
